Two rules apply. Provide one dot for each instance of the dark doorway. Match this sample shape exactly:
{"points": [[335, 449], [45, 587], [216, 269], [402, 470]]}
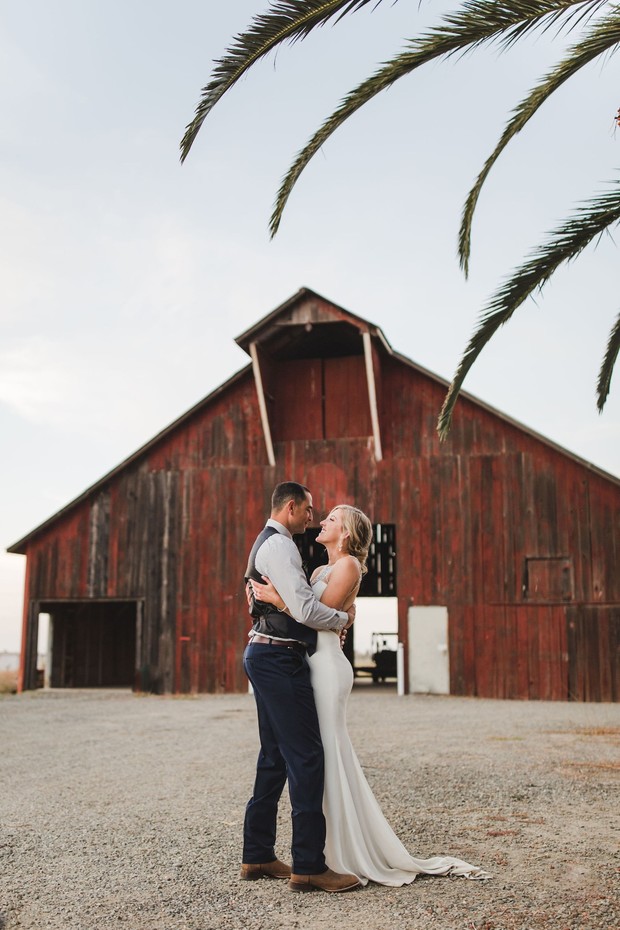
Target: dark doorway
{"points": [[92, 643]]}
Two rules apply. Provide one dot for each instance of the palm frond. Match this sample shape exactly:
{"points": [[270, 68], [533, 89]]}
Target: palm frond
{"points": [[565, 20], [564, 244], [478, 21], [286, 20], [603, 36], [607, 367]]}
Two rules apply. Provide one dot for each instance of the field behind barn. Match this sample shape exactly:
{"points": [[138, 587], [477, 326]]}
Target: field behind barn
{"points": [[120, 810]]}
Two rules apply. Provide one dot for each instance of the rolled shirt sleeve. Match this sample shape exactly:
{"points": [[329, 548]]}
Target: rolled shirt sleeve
{"points": [[279, 560]]}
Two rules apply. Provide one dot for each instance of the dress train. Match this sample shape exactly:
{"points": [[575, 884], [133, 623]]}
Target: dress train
{"points": [[359, 838]]}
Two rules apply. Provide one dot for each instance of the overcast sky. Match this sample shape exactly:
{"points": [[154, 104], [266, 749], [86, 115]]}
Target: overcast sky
{"points": [[124, 277]]}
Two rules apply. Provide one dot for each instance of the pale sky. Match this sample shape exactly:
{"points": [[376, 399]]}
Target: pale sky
{"points": [[124, 277]]}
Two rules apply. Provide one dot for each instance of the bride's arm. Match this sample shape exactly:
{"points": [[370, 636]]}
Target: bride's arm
{"points": [[342, 584], [339, 592]]}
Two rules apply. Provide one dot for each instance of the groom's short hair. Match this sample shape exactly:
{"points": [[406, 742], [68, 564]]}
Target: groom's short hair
{"points": [[286, 491]]}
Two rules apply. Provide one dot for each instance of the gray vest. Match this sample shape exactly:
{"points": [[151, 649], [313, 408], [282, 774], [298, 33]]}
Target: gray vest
{"points": [[266, 619]]}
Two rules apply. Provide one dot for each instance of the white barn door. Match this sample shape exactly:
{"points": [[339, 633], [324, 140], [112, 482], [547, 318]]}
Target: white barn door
{"points": [[429, 663]]}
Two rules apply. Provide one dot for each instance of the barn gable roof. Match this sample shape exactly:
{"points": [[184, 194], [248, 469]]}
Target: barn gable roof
{"points": [[297, 329]]}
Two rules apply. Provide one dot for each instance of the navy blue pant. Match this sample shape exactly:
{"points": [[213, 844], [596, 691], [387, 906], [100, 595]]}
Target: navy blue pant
{"points": [[291, 748]]}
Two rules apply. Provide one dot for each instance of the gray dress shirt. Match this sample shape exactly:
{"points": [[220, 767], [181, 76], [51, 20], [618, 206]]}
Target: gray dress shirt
{"points": [[278, 558]]}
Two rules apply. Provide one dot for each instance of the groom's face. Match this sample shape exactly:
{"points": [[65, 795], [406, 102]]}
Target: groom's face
{"points": [[302, 515]]}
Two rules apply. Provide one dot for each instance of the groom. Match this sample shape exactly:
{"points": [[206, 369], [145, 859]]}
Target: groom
{"points": [[290, 740]]}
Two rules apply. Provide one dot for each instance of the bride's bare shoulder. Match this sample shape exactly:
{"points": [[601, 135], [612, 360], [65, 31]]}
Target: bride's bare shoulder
{"points": [[347, 566]]}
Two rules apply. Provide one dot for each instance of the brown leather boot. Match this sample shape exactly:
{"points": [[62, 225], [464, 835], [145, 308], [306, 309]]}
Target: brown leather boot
{"points": [[326, 881], [276, 869]]}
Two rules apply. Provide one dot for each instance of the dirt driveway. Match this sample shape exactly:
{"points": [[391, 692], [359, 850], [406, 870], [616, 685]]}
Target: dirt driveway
{"points": [[125, 811]]}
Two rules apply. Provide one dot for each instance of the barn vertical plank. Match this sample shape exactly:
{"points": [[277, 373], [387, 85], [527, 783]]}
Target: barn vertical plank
{"points": [[98, 545], [506, 654], [426, 531], [578, 545], [533, 659], [511, 527], [558, 682], [456, 632], [596, 629], [522, 669], [434, 537], [448, 570], [28, 662], [486, 656], [603, 654], [473, 548], [576, 665], [546, 656], [469, 686], [491, 518]]}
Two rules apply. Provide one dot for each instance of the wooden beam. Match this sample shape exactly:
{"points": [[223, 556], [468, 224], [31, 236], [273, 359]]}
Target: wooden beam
{"points": [[372, 395], [262, 406]]}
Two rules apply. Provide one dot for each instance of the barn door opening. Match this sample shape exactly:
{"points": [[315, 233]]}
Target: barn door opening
{"points": [[372, 641], [92, 644]]}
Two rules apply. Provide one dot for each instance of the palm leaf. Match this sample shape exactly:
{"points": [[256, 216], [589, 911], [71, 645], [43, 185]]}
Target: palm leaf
{"points": [[564, 244], [287, 20], [603, 36], [609, 360], [477, 22]]}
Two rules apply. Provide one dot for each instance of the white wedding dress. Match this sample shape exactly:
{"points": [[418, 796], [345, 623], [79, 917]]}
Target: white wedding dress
{"points": [[359, 838]]}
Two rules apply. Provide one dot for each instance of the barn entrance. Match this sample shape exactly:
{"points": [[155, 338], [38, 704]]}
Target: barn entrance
{"points": [[92, 644], [377, 617]]}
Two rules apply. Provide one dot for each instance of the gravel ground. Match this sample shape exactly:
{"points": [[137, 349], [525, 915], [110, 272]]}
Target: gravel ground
{"points": [[125, 811]]}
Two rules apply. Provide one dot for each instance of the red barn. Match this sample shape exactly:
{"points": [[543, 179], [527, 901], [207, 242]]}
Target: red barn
{"points": [[512, 540]]}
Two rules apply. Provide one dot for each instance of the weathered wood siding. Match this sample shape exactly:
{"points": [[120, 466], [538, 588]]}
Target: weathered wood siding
{"points": [[170, 531], [479, 507], [519, 540]]}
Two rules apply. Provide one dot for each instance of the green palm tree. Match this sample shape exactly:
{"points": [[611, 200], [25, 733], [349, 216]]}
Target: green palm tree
{"points": [[474, 23]]}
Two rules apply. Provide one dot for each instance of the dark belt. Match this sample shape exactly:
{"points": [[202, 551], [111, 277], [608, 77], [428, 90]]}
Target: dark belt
{"points": [[287, 644]]}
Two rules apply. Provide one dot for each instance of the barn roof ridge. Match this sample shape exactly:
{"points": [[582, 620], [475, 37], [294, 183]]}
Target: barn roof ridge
{"points": [[244, 340], [305, 294]]}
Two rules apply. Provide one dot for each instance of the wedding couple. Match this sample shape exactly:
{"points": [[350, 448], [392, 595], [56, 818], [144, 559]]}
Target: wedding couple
{"points": [[301, 681]]}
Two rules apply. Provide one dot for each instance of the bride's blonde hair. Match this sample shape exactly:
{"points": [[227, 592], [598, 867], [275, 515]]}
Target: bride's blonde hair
{"points": [[358, 526]]}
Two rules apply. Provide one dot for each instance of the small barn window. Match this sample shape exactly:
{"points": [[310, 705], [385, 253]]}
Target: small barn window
{"points": [[548, 578], [381, 578]]}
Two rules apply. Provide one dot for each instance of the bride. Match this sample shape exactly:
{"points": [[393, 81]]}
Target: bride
{"points": [[359, 838]]}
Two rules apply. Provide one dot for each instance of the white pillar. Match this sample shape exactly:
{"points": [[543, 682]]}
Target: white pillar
{"points": [[400, 670]]}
